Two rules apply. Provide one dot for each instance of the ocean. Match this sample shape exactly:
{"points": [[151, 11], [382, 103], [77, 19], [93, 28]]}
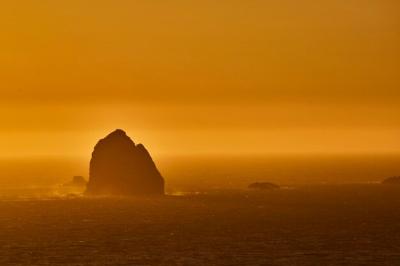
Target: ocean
{"points": [[328, 212], [307, 225]]}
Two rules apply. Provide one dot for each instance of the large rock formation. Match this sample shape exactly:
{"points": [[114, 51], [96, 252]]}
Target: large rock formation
{"points": [[120, 167]]}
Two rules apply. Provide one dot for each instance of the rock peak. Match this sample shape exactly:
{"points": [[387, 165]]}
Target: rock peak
{"points": [[117, 132]]}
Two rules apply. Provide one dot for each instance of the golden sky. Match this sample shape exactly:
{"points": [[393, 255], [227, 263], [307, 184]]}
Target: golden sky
{"points": [[186, 76]]}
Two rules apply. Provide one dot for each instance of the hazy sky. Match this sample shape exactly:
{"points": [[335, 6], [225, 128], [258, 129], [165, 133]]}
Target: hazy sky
{"points": [[183, 76]]}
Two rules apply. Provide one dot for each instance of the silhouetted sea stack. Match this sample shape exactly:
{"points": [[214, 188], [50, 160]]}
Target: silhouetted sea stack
{"points": [[119, 167]]}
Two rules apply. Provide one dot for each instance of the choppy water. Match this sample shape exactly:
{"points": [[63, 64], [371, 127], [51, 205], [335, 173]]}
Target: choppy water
{"points": [[315, 225]]}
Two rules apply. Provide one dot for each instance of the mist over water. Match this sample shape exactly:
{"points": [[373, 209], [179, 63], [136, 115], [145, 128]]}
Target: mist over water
{"points": [[238, 171], [193, 173]]}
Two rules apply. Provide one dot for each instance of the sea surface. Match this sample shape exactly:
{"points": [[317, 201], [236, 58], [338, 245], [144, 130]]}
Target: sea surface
{"points": [[300, 225]]}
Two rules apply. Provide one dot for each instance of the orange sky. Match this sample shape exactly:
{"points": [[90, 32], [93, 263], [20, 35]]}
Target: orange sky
{"points": [[200, 76]]}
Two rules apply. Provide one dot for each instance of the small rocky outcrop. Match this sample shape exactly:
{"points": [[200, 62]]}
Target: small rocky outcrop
{"points": [[263, 186], [394, 180], [77, 181], [120, 167]]}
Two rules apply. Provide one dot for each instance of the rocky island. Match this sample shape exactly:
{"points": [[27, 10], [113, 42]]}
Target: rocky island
{"points": [[263, 186], [120, 167], [394, 180], [77, 181]]}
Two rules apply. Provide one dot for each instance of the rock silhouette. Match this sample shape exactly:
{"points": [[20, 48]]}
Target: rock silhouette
{"points": [[263, 186], [394, 180], [120, 167], [77, 181]]}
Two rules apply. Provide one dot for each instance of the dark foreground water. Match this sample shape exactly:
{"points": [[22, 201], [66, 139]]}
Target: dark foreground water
{"points": [[316, 225]]}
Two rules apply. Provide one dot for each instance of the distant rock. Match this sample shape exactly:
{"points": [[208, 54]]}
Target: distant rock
{"points": [[394, 180], [120, 167], [77, 181], [263, 186]]}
